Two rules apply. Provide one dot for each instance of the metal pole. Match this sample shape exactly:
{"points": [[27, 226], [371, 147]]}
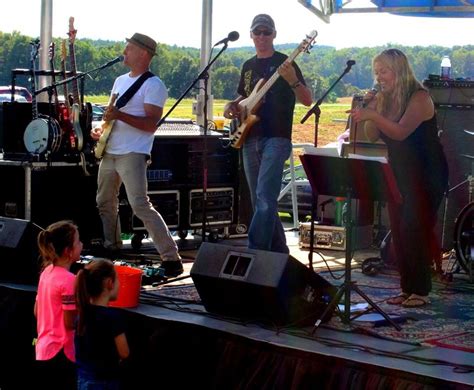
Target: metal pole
{"points": [[206, 36], [46, 35]]}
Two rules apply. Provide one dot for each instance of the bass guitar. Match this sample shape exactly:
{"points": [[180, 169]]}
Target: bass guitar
{"points": [[239, 127], [106, 129], [76, 106]]}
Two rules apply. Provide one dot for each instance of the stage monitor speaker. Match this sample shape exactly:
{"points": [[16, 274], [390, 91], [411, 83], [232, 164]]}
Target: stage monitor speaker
{"points": [[457, 126], [260, 286], [18, 251]]}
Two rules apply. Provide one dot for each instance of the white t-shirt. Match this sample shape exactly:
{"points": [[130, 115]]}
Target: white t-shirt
{"points": [[124, 138]]}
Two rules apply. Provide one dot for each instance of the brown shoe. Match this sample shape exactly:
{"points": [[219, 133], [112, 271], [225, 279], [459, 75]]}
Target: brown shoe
{"points": [[415, 300]]}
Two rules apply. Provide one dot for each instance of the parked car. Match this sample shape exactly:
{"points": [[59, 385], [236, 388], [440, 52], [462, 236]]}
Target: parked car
{"points": [[7, 97], [19, 91], [97, 114]]}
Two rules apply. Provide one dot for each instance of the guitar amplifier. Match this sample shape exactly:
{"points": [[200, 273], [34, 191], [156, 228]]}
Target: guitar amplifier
{"points": [[334, 237], [219, 206], [451, 92], [167, 204]]}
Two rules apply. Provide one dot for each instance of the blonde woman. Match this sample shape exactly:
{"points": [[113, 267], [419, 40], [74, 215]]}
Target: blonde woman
{"points": [[402, 114]]}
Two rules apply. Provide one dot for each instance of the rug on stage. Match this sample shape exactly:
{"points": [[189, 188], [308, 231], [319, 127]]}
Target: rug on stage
{"points": [[447, 322]]}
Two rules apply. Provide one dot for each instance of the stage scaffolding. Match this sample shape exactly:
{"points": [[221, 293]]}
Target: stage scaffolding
{"points": [[431, 8]]}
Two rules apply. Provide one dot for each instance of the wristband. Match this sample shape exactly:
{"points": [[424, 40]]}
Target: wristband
{"points": [[296, 85]]}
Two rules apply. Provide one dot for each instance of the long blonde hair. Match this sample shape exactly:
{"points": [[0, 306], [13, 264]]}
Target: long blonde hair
{"points": [[405, 82]]}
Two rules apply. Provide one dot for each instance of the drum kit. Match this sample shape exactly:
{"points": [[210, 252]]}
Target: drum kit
{"points": [[464, 229]]}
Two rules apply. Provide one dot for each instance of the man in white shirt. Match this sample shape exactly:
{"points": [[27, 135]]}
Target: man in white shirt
{"points": [[127, 154]]}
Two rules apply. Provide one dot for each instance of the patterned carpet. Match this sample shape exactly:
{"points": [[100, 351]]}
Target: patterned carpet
{"points": [[447, 322]]}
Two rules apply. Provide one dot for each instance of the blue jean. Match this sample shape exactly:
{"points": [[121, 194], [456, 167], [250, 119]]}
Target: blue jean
{"points": [[87, 381], [264, 161]]}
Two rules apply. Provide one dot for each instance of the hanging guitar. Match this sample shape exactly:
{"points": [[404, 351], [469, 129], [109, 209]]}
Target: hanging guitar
{"points": [[69, 138], [239, 127], [106, 129], [42, 134], [76, 105]]}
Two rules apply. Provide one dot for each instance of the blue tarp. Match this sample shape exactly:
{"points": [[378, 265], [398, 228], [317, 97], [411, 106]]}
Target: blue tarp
{"points": [[434, 8]]}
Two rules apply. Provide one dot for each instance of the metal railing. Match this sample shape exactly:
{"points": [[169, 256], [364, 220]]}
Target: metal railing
{"points": [[293, 184]]}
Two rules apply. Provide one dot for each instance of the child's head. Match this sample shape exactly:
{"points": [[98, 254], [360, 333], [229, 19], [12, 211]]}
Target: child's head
{"points": [[97, 280], [60, 243]]}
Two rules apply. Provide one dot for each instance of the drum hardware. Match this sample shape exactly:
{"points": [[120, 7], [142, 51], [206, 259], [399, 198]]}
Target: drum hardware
{"points": [[462, 256]]}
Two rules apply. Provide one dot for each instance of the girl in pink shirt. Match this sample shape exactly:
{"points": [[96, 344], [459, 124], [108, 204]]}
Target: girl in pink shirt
{"points": [[55, 308]]}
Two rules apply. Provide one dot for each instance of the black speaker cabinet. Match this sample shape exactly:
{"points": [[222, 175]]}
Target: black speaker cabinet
{"points": [[258, 285], [14, 118], [456, 123], [18, 251]]}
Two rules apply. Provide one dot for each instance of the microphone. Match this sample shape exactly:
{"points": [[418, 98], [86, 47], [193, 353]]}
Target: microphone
{"points": [[113, 62], [375, 88], [233, 36]]}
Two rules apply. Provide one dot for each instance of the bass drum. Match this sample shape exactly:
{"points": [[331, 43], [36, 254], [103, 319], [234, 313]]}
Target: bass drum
{"points": [[464, 236], [42, 135]]}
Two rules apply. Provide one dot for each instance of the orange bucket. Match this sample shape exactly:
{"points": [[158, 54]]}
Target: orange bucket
{"points": [[130, 280]]}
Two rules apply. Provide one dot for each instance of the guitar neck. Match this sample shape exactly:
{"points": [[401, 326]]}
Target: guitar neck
{"points": [[75, 89], [274, 77]]}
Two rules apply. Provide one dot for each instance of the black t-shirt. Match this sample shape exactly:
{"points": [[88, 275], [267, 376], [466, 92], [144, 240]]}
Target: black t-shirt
{"points": [[276, 111], [96, 352]]}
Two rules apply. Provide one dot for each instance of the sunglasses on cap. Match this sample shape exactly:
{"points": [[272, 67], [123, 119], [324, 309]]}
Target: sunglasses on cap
{"points": [[257, 32]]}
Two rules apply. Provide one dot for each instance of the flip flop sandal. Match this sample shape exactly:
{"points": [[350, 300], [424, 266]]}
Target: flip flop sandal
{"points": [[398, 300], [415, 301]]}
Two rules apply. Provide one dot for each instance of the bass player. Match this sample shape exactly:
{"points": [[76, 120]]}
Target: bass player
{"points": [[268, 143]]}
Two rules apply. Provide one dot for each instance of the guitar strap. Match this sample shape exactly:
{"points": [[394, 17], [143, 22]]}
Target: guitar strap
{"points": [[128, 94]]}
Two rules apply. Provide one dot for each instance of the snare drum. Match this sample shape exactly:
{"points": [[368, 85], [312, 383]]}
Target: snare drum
{"points": [[42, 135]]}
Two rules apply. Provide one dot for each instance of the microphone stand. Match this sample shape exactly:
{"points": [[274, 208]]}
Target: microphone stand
{"points": [[203, 75], [317, 113], [77, 76]]}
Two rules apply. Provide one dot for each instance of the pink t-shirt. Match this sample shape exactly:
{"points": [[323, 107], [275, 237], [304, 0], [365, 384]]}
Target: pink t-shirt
{"points": [[55, 295]]}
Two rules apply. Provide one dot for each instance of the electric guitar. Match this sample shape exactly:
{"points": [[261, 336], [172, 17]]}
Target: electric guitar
{"points": [[239, 127], [76, 106], [65, 121], [106, 129]]}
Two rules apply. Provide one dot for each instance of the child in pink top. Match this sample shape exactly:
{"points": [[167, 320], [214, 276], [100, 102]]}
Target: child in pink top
{"points": [[55, 308]]}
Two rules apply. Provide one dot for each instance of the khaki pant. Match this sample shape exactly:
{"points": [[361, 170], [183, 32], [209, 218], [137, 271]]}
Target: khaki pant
{"points": [[130, 169]]}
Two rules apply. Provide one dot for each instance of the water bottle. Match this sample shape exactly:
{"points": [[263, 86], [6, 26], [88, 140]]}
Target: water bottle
{"points": [[338, 212], [445, 68]]}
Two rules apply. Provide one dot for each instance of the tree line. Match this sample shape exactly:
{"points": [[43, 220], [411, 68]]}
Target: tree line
{"points": [[178, 66]]}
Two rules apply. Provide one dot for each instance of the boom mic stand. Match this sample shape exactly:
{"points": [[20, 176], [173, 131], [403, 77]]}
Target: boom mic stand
{"points": [[203, 75], [317, 113]]}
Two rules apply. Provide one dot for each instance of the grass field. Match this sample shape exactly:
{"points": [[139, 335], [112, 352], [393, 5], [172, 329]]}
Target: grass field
{"points": [[331, 122]]}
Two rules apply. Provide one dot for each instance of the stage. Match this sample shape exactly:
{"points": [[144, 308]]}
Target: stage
{"points": [[175, 343]]}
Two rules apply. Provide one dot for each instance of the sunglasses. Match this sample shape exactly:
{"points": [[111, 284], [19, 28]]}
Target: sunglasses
{"points": [[257, 33]]}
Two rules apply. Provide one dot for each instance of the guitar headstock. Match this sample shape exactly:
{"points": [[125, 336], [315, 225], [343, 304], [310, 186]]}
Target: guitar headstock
{"points": [[35, 46], [51, 51], [307, 43], [63, 51], [72, 31]]}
